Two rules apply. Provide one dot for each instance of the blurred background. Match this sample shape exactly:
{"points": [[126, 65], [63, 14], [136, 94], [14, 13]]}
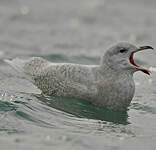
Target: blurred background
{"points": [[72, 28], [77, 31]]}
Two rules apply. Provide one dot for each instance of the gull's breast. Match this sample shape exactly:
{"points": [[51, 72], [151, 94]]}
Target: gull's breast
{"points": [[115, 93]]}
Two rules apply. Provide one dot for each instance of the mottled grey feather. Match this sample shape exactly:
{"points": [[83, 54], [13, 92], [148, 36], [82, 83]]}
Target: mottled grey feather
{"points": [[109, 84]]}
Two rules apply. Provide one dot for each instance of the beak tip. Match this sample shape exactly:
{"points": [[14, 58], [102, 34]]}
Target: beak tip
{"points": [[151, 47], [146, 47]]}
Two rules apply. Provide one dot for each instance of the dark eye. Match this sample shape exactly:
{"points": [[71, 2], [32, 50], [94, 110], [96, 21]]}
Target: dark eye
{"points": [[123, 50]]}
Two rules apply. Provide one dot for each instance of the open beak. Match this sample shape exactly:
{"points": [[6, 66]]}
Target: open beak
{"points": [[134, 64], [144, 48]]}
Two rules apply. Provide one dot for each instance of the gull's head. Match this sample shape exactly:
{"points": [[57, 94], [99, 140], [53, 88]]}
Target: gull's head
{"points": [[120, 57]]}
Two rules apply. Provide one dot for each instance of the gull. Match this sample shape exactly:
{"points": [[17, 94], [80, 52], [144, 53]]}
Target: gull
{"points": [[109, 84]]}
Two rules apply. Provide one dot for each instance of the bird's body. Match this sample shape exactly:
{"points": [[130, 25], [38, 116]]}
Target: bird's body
{"points": [[104, 85]]}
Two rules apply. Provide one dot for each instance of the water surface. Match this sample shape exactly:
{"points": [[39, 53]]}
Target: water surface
{"points": [[76, 32]]}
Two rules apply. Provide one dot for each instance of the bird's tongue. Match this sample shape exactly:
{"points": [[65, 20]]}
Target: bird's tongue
{"points": [[137, 66]]}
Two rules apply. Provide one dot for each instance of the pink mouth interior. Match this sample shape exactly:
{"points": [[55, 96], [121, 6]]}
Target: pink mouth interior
{"points": [[132, 60], [137, 66]]}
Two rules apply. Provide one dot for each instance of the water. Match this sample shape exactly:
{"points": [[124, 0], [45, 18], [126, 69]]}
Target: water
{"points": [[77, 32]]}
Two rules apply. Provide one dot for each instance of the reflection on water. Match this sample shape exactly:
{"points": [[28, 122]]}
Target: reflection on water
{"points": [[84, 109]]}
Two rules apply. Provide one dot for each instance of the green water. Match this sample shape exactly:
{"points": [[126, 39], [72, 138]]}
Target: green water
{"points": [[75, 32]]}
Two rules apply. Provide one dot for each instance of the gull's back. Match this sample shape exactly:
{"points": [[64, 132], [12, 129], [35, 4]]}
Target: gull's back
{"points": [[71, 80]]}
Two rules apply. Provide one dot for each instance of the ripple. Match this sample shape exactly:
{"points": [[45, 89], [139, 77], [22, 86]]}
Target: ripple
{"points": [[143, 108], [81, 59], [7, 106]]}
